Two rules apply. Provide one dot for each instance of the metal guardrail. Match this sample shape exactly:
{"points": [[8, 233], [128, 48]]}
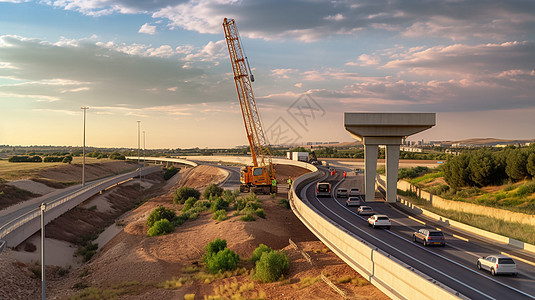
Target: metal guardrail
{"points": [[36, 212]]}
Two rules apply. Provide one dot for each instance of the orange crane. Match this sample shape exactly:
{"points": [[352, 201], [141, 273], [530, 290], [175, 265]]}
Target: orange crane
{"points": [[261, 175]]}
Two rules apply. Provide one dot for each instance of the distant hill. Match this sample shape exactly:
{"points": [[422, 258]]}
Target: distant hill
{"points": [[488, 142]]}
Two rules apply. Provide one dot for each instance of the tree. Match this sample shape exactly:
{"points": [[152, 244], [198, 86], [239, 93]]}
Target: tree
{"points": [[531, 164], [456, 172], [67, 159], [516, 165], [482, 168]]}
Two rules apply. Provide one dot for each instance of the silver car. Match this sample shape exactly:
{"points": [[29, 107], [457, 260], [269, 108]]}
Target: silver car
{"points": [[353, 201], [365, 210], [341, 192], [354, 192], [497, 264]]}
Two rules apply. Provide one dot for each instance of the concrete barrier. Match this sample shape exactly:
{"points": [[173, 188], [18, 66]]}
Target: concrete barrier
{"points": [[19, 229], [395, 278], [467, 207], [164, 159], [445, 222]]}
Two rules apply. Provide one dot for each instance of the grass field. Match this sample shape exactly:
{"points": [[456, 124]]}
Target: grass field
{"points": [[521, 232], [517, 197], [15, 171]]}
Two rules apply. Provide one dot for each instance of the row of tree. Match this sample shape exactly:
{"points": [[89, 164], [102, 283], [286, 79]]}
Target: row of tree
{"points": [[485, 167]]}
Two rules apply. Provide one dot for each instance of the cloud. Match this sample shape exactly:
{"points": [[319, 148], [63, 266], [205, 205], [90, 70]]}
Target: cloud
{"points": [[148, 29], [365, 60], [96, 73]]}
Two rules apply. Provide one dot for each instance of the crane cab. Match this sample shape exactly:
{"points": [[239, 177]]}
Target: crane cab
{"points": [[256, 179]]}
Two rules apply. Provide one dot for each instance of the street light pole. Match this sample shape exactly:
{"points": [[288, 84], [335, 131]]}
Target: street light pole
{"points": [[83, 159], [43, 282], [144, 148], [138, 147]]}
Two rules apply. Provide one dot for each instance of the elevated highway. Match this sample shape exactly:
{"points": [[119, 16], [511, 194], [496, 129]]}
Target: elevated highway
{"points": [[16, 225], [453, 266]]}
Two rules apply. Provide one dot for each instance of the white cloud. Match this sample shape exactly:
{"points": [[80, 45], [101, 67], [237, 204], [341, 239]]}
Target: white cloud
{"points": [[148, 29], [365, 60]]}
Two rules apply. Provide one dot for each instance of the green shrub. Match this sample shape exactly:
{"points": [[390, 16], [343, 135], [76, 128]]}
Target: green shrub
{"points": [[260, 212], [248, 218], [213, 190], [240, 203], [257, 253], [215, 246], [271, 266], [220, 215], [193, 216], [160, 213], [25, 158], [412, 173], [161, 227], [170, 172], [184, 193], [224, 260], [179, 220], [219, 203], [285, 203], [189, 203], [117, 156], [87, 250]]}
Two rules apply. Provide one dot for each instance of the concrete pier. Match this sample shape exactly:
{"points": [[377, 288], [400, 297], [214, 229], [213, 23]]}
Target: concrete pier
{"points": [[388, 129]]}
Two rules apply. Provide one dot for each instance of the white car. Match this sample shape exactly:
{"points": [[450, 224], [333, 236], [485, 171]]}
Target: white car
{"points": [[353, 192], [379, 221], [341, 192], [497, 264], [365, 210], [353, 201]]}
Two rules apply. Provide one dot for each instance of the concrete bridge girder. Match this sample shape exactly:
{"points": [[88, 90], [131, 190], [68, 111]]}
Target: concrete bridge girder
{"points": [[389, 129]]}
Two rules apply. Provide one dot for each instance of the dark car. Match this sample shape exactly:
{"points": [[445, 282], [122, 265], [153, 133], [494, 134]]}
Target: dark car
{"points": [[429, 237]]}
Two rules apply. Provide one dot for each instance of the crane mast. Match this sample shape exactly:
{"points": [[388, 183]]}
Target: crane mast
{"points": [[253, 125]]}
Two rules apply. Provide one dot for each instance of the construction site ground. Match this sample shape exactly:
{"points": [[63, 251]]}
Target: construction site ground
{"points": [[134, 266]]}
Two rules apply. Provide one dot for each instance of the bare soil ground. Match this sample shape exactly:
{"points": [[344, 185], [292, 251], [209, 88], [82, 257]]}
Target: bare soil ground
{"points": [[30, 180], [10, 195], [134, 266]]}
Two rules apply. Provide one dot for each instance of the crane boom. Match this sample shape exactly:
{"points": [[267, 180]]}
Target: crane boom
{"points": [[253, 125]]}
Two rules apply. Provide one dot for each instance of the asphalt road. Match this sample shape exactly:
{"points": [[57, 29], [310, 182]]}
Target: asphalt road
{"points": [[454, 265]]}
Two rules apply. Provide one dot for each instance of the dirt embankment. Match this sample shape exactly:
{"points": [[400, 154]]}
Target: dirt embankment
{"points": [[73, 172], [44, 181], [137, 264]]}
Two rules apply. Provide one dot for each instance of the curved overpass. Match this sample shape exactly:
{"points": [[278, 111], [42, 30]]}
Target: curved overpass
{"points": [[449, 268]]}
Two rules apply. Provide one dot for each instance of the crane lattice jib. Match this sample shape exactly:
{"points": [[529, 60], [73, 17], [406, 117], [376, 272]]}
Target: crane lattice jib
{"points": [[251, 118]]}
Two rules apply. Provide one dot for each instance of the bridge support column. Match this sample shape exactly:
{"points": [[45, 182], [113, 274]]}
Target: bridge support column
{"points": [[392, 166], [370, 170], [387, 129]]}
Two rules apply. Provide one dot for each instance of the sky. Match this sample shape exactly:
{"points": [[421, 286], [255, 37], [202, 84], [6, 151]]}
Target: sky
{"points": [[165, 63]]}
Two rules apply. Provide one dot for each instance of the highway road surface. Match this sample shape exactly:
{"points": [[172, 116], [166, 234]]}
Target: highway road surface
{"points": [[453, 265]]}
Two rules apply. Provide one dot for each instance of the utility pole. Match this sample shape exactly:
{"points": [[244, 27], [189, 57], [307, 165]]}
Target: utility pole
{"points": [[144, 148], [138, 147], [83, 155], [43, 282]]}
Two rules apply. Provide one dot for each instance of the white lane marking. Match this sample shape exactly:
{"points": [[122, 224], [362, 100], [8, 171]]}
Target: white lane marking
{"points": [[434, 253], [401, 252]]}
